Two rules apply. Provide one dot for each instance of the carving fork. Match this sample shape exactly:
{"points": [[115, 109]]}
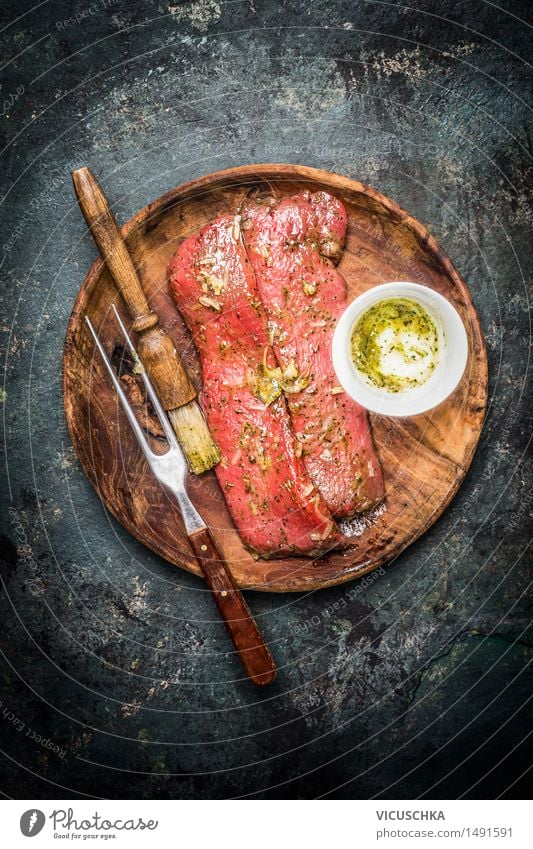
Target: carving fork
{"points": [[170, 469]]}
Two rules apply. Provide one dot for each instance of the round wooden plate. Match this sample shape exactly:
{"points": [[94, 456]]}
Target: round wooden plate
{"points": [[424, 458]]}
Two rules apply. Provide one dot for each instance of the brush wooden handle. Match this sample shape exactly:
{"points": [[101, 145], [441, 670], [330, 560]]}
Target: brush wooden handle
{"points": [[155, 348], [243, 629]]}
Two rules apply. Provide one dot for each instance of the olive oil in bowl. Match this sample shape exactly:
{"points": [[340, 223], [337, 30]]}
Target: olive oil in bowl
{"points": [[395, 344]]}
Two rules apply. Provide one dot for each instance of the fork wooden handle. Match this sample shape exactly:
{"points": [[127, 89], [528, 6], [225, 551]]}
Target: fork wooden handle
{"points": [[243, 629]]}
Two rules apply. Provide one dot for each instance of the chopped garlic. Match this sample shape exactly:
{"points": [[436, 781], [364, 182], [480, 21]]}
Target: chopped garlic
{"points": [[215, 283], [290, 371], [211, 282], [236, 230], [264, 463], [324, 535], [209, 302]]}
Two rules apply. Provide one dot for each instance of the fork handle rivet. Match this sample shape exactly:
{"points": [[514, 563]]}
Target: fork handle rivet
{"points": [[203, 547]]}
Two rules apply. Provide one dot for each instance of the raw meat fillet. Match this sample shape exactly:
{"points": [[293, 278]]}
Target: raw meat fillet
{"points": [[291, 244], [274, 505]]}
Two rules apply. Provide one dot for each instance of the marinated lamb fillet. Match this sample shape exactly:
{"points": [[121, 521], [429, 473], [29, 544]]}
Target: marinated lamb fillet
{"points": [[291, 245], [275, 506]]}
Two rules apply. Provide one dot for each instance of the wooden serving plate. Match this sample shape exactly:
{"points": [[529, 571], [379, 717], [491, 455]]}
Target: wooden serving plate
{"points": [[424, 458]]}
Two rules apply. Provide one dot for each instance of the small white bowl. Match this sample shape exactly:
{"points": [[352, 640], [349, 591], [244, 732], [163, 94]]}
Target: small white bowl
{"points": [[453, 353]]}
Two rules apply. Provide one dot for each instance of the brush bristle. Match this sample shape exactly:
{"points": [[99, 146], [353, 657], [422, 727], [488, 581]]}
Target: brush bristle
{"points": [[194, 437]]}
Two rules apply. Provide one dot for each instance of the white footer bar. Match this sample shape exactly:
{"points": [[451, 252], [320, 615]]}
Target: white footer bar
{"points": [[254, 824]]}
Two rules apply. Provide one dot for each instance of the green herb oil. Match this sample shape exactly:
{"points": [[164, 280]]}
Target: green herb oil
{"points": [[395, 344]]}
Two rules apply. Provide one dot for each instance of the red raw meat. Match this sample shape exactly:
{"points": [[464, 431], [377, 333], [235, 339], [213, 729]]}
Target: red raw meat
{"points": [[290, 244], [274, 505]]}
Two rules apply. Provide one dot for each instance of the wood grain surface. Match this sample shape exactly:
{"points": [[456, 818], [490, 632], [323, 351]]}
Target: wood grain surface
{"points": [[424, 458]]}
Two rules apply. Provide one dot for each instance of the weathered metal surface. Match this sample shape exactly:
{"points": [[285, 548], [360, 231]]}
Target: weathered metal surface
{"points": [[401, 685]]}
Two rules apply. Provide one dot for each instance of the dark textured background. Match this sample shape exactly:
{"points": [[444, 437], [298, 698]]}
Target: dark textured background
{"points": [[416, 685]]}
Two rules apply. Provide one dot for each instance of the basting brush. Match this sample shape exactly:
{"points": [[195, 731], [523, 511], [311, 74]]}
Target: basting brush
{"points": [[156, 349]]}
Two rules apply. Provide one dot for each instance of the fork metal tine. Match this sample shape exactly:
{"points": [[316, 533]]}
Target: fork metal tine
{"points": [[170, 468], [152, 394], [137, 429]]}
